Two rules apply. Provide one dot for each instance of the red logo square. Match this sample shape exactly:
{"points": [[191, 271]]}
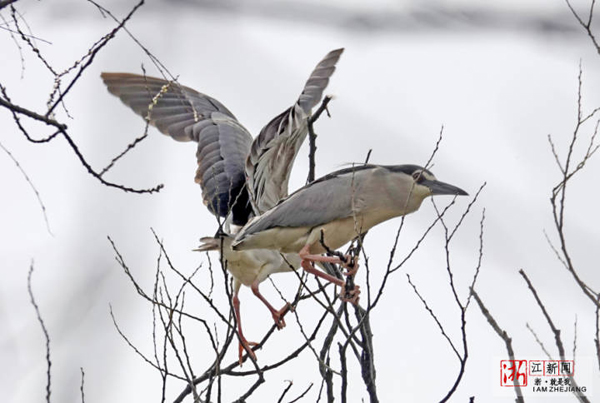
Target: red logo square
{"points": [[513, 373]]}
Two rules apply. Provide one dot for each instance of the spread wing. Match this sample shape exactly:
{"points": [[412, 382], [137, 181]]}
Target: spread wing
{"points": [[273, 152], [187, 115]]}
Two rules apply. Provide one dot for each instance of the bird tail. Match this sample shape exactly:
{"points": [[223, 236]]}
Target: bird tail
{"points": [[208, 243]]}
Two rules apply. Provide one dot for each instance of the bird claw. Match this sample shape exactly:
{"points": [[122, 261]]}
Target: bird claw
{"points": [[345, 260], [350, 264], [278, 315], [351, 296], [351, 270], [246, 345]]}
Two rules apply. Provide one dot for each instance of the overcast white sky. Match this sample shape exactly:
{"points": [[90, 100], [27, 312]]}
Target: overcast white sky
{"points": [[498, 93]]}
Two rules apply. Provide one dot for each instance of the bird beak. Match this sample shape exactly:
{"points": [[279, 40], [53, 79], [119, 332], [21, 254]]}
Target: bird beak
{"points": [[441, 188]]}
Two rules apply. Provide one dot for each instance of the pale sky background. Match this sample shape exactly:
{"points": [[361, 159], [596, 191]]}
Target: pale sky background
{"points": [[499, 83]]}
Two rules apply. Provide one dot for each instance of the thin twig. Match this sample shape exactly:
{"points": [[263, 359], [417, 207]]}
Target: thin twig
{"points": [[558, 341], [81, 387], [434, 317], [124, 152], [538, 341], [504, 336], [597, 338], [312, 137], [302, 395], [44, 330], [32, 186], [285, 391], [92, 54], [343, 373], [555, 330], [586, 25]]}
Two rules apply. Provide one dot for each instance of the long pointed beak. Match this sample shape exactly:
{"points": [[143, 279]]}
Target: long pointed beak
{"points": [[441, 188]]}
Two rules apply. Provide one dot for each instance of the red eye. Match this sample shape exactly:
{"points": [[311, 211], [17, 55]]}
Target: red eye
{"points": [[417, 175]]}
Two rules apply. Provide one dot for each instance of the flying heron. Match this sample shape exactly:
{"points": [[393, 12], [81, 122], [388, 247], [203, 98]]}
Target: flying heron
{"points": [[239, 177]]}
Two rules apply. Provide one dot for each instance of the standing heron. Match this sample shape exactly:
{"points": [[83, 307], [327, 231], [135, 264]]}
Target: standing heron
{"points": [[338, 208], [239, 177]]}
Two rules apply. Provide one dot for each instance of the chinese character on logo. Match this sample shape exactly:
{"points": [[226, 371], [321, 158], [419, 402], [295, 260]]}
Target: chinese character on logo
{"points": [[513, 373], [567, 368], [536, 368], [551, 368]]}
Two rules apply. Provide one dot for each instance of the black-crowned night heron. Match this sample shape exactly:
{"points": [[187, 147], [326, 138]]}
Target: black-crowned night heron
{"points": [[336, 209], [239, 177]]}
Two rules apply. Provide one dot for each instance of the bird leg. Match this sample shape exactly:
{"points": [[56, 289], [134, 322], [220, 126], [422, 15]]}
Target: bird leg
{"points": [[244, 344], [277, 314], [349, 295], [346, 262]]}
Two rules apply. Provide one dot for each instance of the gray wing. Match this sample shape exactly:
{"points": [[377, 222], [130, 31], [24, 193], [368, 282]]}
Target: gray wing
{"points": [[325, 200], [187, 115], [273, 152]]}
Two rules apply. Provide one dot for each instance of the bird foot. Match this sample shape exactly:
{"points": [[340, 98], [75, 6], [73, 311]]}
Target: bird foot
{"points": [[351, 296], [278, 315], [350, 264], [351, 270], [246, 345]]}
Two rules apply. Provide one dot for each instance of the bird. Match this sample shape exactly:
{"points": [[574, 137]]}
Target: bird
{"points": [[337, 208], [240, 177]]}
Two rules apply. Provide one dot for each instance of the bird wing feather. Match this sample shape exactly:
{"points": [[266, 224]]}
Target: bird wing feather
{"points": [[188, 115], [337, 193], [274, 150]]}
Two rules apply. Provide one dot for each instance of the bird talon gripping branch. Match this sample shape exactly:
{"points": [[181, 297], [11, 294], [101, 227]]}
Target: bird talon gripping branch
{"points": [[247, 346], [278, 316], [352, 267], [351, 296]]}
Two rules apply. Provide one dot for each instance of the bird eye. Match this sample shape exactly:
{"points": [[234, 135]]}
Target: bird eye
{"points": [[417, 176]]}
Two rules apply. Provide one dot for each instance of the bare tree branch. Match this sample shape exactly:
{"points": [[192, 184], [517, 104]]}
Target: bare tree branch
{"points": [[504, 336], [81, 388], [285, 391], [32, 186], [89, 58], [586, 25], [44, 330], [48, 118], [558, 198], [302, 395], [312, 137], [538, 341], [557, 339], [597, 338]]}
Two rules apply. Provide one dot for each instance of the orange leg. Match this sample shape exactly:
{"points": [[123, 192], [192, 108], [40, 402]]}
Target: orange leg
{"points": [[244, 344], [347, 295], [351, 269], [277, 314]]}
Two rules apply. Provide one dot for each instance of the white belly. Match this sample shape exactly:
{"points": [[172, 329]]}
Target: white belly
{"points": [[335, 234], [256, 265]]}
